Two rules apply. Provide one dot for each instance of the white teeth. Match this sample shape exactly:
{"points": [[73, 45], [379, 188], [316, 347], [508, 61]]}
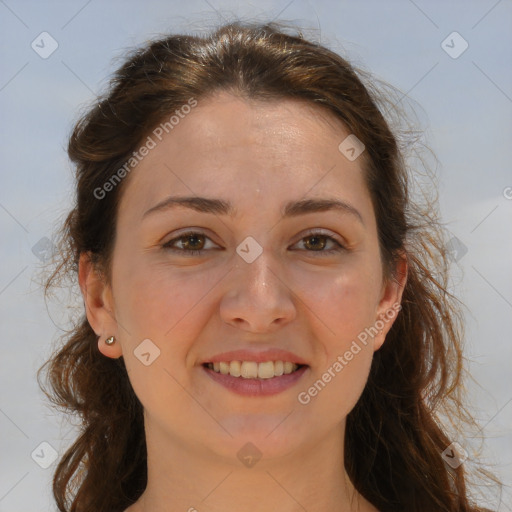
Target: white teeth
{"points": [[249, 369], [266, 370], [288, 367], [235, 368], [253, 370]]}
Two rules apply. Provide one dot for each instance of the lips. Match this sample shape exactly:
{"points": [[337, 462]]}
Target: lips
{"points": [[257, 387], [256, 373]]}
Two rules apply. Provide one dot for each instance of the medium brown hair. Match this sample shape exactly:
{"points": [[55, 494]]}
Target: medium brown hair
{"points": [[394, 437]]}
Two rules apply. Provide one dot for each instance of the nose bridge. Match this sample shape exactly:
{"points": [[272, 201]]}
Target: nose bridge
{"points": [[257, 296], [258, 277]]}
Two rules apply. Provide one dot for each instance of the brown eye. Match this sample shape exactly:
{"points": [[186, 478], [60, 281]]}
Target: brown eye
{"points": [[188, 244], [320, 243], [192, 242], [315, 242]]}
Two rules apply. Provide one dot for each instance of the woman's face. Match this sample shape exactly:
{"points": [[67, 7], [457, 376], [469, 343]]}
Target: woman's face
{"points": [[257, 265]]}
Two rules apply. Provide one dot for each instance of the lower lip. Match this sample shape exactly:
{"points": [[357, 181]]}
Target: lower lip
{"points": [[257, 387]]}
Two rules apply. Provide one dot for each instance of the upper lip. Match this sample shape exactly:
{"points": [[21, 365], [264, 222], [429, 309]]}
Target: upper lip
{"points": [[258, 356]]}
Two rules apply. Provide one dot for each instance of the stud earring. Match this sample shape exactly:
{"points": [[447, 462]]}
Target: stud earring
{"points": [[110, 340]]}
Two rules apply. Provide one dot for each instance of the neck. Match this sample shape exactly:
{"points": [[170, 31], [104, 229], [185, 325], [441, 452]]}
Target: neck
{"points": [[185, 478]]}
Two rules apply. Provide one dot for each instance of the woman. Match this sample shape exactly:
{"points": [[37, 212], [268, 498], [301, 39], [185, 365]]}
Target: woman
{"points": [[267, 325]]}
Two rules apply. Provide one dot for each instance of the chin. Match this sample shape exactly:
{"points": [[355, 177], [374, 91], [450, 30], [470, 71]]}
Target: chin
{"points": [[267, 436]]}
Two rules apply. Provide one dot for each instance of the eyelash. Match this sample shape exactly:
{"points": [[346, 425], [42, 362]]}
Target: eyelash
{"points": [[199, 252]]}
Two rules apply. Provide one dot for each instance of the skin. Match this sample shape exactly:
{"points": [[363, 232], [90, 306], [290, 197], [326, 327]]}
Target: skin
{"points": [[257, 155]]}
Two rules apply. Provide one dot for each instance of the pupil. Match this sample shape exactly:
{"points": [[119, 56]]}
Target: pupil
{"points": [[195, 240], [316, 239]]}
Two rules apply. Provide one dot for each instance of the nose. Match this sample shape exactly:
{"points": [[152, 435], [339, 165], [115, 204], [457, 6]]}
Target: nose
{"points": [[257, 298]]}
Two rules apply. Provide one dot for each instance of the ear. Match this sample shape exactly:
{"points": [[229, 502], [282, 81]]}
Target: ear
{"points": [[390, 302], [99, 305]]}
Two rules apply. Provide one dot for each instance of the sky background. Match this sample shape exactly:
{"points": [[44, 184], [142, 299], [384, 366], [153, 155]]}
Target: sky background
{"points": [[463, 99]]}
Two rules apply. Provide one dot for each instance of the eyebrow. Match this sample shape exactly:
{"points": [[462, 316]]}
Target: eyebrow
{"points": [[221, 207]]}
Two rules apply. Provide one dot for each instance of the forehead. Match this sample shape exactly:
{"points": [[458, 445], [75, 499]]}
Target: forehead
{"points": [[228, 146], [274, 126]]}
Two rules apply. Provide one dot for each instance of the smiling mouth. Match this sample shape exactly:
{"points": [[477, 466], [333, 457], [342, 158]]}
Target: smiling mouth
{"points": [[254, 370]]}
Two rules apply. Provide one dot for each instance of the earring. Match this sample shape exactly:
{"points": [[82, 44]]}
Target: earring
{"points": [[110, 341]]}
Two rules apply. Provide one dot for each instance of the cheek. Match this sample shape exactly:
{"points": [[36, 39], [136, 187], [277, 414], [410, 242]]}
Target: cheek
{"points": [[343, 300], [339, 377], [167, 305], [342, 306], [334, 390], [170, 307]]}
